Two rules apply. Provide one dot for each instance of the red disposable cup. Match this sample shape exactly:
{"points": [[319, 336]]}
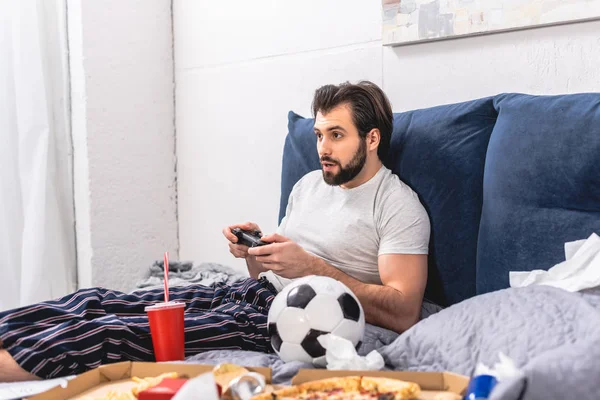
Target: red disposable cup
{"points": [[167, 330]]}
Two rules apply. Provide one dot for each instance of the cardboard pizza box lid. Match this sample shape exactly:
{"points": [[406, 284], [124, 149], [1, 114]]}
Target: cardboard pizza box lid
{"points": [[432, 383], [117, 377]]}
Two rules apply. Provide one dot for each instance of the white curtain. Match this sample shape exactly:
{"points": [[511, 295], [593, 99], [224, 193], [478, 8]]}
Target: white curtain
{"points": [[37, 239]]}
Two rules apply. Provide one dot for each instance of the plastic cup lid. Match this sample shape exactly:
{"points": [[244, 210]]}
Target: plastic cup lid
{"points": [[165, 306]]}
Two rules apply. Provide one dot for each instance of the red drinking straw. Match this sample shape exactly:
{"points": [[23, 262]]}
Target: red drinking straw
{"points": [[166, 276]]}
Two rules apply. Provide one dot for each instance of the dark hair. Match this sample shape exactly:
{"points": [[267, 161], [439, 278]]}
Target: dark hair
{"points": [[370, 109]]}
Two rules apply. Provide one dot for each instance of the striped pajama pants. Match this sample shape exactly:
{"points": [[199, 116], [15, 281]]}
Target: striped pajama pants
{"points": [[97, 326]]}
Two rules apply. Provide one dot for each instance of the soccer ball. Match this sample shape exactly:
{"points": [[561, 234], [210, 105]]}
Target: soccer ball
{"points": [[308, 308]]}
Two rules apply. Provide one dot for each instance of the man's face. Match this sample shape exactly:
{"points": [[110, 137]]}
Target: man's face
{"points": [[341, 150]]}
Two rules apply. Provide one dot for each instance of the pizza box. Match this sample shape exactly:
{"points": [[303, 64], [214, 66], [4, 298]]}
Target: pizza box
{"points": [[433, 384], [117, 377]]}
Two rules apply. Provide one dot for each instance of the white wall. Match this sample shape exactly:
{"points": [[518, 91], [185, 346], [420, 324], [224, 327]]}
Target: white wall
{"points": [[553, 60], [123, 138], [240, 66]]}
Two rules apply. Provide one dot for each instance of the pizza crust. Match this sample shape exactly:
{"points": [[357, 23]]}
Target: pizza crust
{"points": [[291, 392], [347, 384], [402, 389]]}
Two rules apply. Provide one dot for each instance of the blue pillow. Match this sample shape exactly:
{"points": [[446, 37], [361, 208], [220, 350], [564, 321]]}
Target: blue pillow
{"points": [[299, 156], [542, 183], [440, 153]]}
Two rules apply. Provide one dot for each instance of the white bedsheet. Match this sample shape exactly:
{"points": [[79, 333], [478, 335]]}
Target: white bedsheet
{"points": [[18, 390]]}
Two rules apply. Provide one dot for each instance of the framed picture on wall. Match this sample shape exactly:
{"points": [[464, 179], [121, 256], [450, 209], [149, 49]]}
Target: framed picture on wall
{"points": [[413, 21]]}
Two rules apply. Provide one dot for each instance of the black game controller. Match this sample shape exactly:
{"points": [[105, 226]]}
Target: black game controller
{"points": [[248, 238]]}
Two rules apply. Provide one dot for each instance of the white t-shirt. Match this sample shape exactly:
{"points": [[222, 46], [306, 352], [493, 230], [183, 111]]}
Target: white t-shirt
{"points": [[350, 228]]}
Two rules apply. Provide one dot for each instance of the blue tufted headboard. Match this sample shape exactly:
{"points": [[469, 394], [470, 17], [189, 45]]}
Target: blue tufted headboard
{"points": [[469, 163]]}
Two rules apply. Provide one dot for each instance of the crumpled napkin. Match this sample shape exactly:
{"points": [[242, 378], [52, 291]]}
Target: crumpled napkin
{"points": [[341, 354], [204, 384], [503, 370], [510, 379], [580, 270]]}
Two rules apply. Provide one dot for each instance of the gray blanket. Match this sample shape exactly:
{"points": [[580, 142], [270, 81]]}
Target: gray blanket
{"points": [[185, 273], [552, 335]]}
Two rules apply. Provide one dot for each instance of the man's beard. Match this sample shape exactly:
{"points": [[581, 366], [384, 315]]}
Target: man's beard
{"points": [[348, 172]]}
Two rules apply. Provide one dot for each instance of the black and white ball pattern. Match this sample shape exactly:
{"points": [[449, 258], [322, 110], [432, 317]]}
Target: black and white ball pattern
{"points": [[308, 308]]}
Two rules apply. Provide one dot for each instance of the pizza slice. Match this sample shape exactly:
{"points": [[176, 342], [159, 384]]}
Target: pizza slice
{"points": [[347, 388]]}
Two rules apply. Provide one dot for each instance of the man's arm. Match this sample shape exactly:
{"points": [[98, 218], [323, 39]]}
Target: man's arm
{"points": [[397, 304]]}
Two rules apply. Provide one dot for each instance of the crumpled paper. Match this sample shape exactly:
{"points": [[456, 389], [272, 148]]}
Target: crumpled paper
{"points": [[244, 387], [510, 379], [579, 271], [204, 384], [341, 354], [502, 370]]}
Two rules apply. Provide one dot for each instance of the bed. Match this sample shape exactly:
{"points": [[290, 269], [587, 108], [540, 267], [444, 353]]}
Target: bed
{"points": [[507, 180], [552, 335]]}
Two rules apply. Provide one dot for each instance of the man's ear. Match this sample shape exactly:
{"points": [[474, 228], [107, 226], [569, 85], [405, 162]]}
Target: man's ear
{"points": [[373, 139]]}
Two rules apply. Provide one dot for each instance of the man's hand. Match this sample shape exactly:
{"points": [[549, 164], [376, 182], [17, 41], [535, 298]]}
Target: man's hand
{"points": [[241, 251], [284, 257], [238, 250]]}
